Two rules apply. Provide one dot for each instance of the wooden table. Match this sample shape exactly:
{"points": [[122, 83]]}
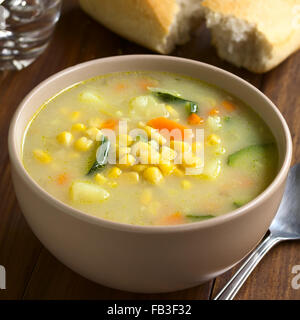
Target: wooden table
{"points": [[32, 272]]}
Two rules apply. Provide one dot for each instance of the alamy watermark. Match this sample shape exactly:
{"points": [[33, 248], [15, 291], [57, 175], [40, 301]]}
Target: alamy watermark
{"points": [[296, 279], [152, 146], [2, 278]]}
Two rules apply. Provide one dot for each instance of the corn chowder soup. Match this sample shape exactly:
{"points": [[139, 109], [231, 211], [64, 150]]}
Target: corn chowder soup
{"points": [[149, 148]]}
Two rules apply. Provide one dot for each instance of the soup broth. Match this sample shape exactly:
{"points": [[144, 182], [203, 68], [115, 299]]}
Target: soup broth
{"points": [[149, 148]]}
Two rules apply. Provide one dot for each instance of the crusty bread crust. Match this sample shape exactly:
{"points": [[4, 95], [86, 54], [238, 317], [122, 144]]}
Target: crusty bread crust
{"points": [[146, 22], [274, 20]]}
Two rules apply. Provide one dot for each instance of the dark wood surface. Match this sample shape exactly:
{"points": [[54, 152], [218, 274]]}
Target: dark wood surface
{"points": [[32, 272]]}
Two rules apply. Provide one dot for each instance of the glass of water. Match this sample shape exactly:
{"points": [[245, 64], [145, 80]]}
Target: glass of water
{"points": [[26, 27]]}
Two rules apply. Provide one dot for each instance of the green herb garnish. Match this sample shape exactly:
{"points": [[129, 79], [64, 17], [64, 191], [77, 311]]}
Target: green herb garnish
{"points": [[227, 119], [101, 156], [240, 203], [166, 96]]}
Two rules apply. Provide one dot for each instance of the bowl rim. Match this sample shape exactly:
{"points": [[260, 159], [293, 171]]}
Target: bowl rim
{"points": [[61, 206]]}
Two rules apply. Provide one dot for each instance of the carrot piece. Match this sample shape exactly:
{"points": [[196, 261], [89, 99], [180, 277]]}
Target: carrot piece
{"points": [[120, 87], [214, 112], [228, 106], [175, 218], [145, 83], [109, 124], [246, 182], [164, 123], [62, 179], [194, 119]]}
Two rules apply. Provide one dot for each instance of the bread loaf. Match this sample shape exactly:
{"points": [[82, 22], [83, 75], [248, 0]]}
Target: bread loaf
{"points": [[156, 24], [255, 34]]}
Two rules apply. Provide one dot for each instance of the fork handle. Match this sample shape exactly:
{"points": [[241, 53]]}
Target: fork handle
{"points": [[238, 279]]}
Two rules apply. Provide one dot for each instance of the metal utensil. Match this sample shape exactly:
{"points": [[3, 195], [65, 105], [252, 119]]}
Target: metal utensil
{"points": [[285, 226]]}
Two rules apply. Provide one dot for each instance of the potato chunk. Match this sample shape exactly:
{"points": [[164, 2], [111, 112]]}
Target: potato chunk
{"points": [[131, 177], [212, 169], [87, 192], [147, 107], [89, 97]]}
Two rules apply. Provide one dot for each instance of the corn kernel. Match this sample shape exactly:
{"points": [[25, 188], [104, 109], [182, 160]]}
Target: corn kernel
{"points": [[178, 172], [121, 151], [94, 133], [186, 184], [99, 178], [146, 197], [180, 146], [139, 147], [155, 135], [114, 172], [83, 144], [112, 184], [167, 154], [127, 160], [142, 124], [139, 167], [124, 140], [74, 115], [150, 157], [153, 175], [42, 156], [167, 168], [213, 140], [65, 138], [154, 144], [220, 150], [190, 160], [214, 123], [131, 177], [173, 113], [95, 122], [78, 127], [145, 153], [197, 147]]}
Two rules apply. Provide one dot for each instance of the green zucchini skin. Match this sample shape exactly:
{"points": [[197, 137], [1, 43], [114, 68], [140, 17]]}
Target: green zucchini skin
{"points": [[194, 217], [258, 159]]}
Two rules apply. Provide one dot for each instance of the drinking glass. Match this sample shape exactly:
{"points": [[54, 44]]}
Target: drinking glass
{"points": [[26, 27]]}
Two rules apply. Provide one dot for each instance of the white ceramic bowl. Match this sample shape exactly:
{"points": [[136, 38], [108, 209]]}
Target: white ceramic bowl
{"points": [[147, 258]]}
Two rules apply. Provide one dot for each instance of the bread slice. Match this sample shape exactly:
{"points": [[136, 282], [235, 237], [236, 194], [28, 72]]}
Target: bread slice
{"points": [[156, 24], [255, 34]]}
